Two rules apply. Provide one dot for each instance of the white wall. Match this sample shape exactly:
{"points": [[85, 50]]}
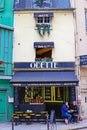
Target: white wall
{"points": [[81, 43], [81, 33], [62, 34]]}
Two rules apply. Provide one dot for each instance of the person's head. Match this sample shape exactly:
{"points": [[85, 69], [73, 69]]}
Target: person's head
{"points": [[74, 103], [66, 103]]}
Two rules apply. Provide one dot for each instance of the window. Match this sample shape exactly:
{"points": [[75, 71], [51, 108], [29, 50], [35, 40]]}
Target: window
{"points": [[58, 93], [42, 4], [43, 22], [43, 51], [43, 54], [1, 72], [86, 19], [31, 95], [1, 5]]}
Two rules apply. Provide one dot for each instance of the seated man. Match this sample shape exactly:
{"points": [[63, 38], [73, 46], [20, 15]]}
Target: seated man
{"points": [[75, 111], [65, 113]]}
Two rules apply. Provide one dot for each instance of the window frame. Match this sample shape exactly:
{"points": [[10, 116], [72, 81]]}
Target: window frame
{"points": [[43, 20]]}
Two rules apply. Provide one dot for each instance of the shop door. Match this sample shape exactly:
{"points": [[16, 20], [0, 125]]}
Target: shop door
{"points": [[54, 94], [3, 106]]}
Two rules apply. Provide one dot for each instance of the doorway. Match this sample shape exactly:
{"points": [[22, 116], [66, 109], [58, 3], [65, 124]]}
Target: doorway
{"points": [[3, 105]]}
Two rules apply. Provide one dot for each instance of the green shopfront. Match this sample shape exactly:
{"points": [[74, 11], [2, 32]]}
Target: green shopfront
{"points": [[44, 86], [6, 99], [6, 50]]}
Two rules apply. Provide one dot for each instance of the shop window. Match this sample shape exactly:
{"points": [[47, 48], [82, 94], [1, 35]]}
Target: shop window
{"points": [[47, 93], [58, 93], [1, 5], [1, 73], [43, 54], [43, 22], [33, 95], [27, 97], [54, 93]]}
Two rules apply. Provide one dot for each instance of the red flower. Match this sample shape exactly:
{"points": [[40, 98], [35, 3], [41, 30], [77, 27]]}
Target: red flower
{"points": [[1, 62]]}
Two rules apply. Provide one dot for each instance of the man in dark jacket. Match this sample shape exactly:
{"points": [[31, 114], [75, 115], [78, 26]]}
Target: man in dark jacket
{"points": [[65, 113], [75, 111]]}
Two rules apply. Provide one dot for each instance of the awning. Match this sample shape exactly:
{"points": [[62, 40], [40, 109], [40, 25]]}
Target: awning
{"points": [[43, 44], [48, 14], [39, 78], [5, 77]]}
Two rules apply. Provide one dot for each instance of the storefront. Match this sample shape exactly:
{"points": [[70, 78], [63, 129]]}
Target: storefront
{"points": [[40, 90]]}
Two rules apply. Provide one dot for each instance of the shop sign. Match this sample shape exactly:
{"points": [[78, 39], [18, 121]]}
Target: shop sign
{"points": [[83, 60], [44, 65], [41, 65]]}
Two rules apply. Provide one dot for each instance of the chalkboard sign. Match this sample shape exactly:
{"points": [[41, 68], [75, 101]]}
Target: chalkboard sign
{"points": [[52, 116]]}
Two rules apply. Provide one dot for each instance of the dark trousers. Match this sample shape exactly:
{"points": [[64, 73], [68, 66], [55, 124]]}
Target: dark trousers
{"points": [[75, 117]]}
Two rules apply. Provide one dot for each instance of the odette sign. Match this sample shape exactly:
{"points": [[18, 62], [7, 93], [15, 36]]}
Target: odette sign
{"points": [[44, 65]]}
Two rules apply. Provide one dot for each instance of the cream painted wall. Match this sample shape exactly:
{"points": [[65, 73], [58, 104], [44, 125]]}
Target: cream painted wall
{"points": [[81, 45], [62, 34], [81, 33]]}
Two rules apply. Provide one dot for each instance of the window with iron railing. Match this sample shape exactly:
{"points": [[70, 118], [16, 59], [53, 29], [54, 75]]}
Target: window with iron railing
{"points": [[43, 22]]}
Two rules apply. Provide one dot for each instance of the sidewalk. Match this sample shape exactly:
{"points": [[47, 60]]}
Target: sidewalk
{"points": [[41, 126]]}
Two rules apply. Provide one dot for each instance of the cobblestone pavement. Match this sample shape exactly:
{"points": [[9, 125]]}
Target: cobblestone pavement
{"points": [[41, 126], [83, 129]]}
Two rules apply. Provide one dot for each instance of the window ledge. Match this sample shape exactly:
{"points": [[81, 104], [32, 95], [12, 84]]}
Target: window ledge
{"points": [[37, 28]]}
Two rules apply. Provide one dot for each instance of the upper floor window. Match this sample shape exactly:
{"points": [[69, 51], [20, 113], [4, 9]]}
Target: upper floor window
{"points": [[1, 73], [1, 5], [42, 4], [43, 22], [43, 51]]}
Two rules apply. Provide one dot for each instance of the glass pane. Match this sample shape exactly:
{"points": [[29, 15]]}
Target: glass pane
{"points": [[40, 19], [46, 19], [47, 93], [58, 93]]}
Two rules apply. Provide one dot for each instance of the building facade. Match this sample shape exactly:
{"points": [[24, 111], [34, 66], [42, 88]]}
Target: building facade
{"points": [[80, 15], [43, 55], [6, 45]]}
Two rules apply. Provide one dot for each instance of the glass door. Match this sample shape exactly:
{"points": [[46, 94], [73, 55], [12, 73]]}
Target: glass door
{"points": [[53, 94], [56, 94]]}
